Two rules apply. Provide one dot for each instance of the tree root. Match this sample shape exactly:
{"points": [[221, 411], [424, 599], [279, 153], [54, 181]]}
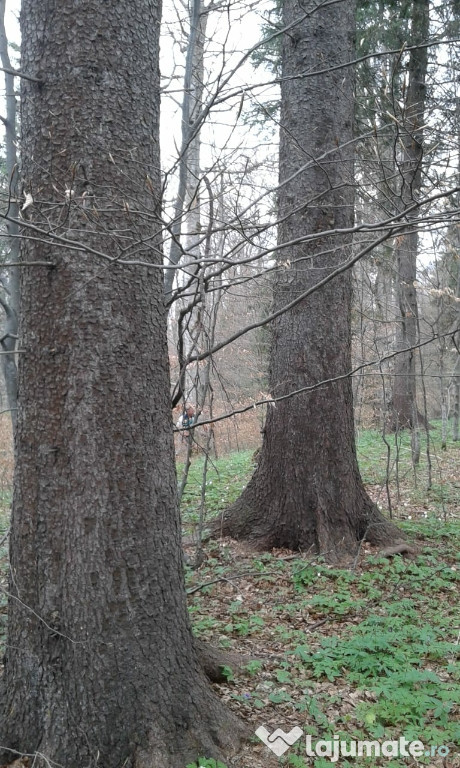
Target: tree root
{"points": [[213, 661], [399, 549]]}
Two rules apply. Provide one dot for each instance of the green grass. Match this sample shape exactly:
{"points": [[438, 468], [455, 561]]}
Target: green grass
{"points": [[5, 503], [225, 479], [227, 476], [374, 454]]}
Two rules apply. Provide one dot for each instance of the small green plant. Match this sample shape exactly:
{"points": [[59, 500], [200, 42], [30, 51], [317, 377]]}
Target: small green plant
{"points": [[207, 762], [279, 697], [244, 625], [297, 761], [305, 577], [338, 603], [283, 675], [253, 667], [310, 705], [203, 625], [228, 673]]}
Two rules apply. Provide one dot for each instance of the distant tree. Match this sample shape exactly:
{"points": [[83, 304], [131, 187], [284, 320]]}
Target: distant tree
{"points": [[9, 281], [187, 203], [404, 410], [307, 492], [100, 667]]}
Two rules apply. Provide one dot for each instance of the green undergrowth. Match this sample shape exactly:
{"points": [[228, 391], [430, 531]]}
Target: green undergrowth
{"points": [[225, 479], [227, 476], [370, 653], [379, 454]]}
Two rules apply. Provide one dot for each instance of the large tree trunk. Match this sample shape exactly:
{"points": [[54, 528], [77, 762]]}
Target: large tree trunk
{"points": [[100, 665], [307, 492], [404, 412]]}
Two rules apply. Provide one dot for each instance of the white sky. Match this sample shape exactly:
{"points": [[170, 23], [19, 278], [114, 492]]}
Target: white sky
{"points": [[233, 30], [232, 33]]}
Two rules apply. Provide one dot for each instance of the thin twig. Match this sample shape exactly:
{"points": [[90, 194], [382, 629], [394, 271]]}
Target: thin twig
{"points": [[18, 73]]}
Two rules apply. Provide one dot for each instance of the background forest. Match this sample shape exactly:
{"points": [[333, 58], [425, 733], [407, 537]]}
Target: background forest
{"points": [[226, 205], [302, 231]]}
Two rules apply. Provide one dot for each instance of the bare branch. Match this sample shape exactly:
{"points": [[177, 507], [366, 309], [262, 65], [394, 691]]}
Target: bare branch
{"points": [[325, 382], [18, 73]]}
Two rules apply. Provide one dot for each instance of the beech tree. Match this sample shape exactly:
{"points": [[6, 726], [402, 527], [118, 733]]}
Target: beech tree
{"points": [[306, 492], [100, 665]]}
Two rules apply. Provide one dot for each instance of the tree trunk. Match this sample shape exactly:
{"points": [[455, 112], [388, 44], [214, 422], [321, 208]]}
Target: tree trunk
{"points": [[10, 300], [191, 322], [307, 492], [186, 208], [456, 371], [186, 227], [404, 412], [100, 665], [456, 406]]}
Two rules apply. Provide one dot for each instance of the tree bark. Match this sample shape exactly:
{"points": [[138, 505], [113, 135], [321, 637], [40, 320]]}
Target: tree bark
{"points": [[306, 492], [404, 412], [456, 404], [187, 204], [185, 230], [456, 325], [9, 301], [101, 667]]}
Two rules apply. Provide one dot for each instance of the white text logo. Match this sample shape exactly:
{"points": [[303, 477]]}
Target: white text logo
{"points": [[279, 741]]}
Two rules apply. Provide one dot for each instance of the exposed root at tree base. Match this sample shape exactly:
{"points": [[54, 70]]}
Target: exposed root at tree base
{"points": [[242, 523], [215, 732], [399, 549], [213, 735], [380, 531], [213, 661]]}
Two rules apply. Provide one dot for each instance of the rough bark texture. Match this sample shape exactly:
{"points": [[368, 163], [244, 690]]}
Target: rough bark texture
{"points": [[404, 412], [100, 666], [306, 492]]}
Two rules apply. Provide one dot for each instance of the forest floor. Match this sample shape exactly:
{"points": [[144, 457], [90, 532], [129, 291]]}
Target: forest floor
{"points": [[367, 651]]}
